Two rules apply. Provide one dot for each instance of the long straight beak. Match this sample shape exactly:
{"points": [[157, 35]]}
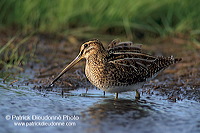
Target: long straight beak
{"points": [[74, 62]]}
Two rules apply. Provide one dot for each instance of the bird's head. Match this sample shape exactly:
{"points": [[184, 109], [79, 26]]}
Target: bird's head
{"points": [[87, 49], [90, 48]]}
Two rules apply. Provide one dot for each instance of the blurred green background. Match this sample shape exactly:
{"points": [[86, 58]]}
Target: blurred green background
{"points": [[20, 20], [128, 17]]}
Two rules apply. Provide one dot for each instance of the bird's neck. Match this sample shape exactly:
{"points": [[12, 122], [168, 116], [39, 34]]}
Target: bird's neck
{"points": [[98, 57]]}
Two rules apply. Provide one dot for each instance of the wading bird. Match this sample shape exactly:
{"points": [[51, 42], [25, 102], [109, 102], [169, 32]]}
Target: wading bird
{"points": [[120, 68]]}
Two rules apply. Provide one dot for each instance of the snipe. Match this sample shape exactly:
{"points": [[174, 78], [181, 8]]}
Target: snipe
{"points": [[122, 67]]}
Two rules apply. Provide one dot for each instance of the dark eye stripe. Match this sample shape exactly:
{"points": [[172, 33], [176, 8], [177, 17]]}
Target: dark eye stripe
{"points": [[85, 45]]}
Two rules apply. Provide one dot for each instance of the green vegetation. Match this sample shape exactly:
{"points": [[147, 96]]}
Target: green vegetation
{"points": [[160, 17], [15, 53], [128, 18]]}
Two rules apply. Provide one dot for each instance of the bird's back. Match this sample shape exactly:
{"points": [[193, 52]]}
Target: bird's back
{"points": [[131, 66]]}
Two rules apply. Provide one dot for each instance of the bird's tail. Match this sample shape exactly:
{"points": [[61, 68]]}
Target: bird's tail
{"points": [[162, 63], [176, 60]]}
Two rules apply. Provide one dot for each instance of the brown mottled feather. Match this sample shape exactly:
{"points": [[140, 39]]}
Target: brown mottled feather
{"points": [[139, 66], [124, 64]]}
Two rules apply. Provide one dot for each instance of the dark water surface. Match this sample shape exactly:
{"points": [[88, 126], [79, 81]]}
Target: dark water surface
{"points": [[92, 112]]}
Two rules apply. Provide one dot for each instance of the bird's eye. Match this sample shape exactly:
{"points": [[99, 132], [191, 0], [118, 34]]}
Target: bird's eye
{"points": [[85, 45]]}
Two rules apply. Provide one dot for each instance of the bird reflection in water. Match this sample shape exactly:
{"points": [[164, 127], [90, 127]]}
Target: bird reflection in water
{"points": [[114, 113]]}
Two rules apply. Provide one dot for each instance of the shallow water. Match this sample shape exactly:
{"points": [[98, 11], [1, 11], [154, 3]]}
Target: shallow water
{"points": [[92, 112]]}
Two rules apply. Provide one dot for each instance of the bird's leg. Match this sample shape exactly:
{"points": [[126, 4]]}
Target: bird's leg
{"points": [[86, 90], [116, 95], [62, 93], [104, 93], [137, 95]]}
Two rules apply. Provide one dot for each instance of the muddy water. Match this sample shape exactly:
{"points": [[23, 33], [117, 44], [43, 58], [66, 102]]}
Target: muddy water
{"points": [[92, 112]]}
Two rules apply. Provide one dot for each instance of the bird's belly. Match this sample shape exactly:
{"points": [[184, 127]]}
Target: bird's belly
{"points": [[118, 89], [101, 80]]}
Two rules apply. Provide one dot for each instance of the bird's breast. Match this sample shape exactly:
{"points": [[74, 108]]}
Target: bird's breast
{"points": [[95, 73]]}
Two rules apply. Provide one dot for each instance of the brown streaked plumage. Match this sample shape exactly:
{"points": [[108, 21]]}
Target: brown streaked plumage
{"points": [[122, 67]]}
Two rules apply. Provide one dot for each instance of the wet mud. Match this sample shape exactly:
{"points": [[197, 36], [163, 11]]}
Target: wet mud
{"points": [[179, 81]]}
